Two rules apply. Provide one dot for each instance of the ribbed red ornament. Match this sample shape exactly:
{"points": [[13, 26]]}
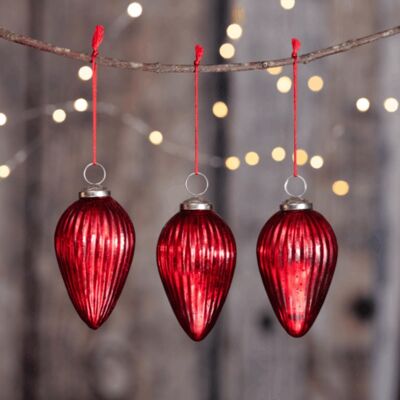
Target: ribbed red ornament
{"points": [[196, 256], [94, 243], [297, 253]]}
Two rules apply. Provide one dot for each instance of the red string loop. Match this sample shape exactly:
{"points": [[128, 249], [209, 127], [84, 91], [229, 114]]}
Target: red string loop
{"points": [[98, 36], [199, 51], [296, 44], [296, 47]]}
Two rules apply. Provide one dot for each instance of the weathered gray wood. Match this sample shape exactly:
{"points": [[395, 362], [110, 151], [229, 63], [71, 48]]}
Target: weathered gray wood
{"points": [[141, 352], [386, 360], [33, 214]]}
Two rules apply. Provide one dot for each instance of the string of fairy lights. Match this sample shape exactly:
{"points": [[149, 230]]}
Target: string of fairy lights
{"points": [[59, 114], [220, 109]]}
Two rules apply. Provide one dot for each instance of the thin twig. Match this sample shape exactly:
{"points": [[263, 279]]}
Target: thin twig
{"points": [[230, 67]]}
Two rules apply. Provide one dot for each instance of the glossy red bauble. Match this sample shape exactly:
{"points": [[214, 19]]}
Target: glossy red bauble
{"points": [[94, 243], [196, 256], [297, 253]]}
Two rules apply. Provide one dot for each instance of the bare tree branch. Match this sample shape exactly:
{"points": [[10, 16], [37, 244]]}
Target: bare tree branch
{"points": [[229, 67]]}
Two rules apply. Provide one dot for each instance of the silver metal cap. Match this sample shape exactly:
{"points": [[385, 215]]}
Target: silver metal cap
{"points": [[94, 191], [296, 203], [196, 203]]}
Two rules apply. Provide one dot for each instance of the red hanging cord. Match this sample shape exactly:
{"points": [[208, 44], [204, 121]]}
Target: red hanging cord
{"points": [[98, 36], [199, 53], [296, 47]]}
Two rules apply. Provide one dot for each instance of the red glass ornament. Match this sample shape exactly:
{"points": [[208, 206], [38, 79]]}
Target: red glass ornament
{"points": [[94, 243], [196, 256], [297, 253]]}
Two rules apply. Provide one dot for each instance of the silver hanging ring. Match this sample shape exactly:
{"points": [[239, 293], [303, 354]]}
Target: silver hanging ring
{"points": [[187, 184], [94, 165], [304, 186]]}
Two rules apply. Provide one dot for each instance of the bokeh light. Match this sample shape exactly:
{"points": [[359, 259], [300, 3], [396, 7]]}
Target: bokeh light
{"points": [[340, 188], [302, 157], [252, 158], [85, 73], [3, 119], [156, 137], [59, 115], [278, 154], [288, 4], [81, 105], [274, 70], [284, 84], [362, 104], [134, 10], [232, 163], [220, 109], [391, 104], [4, 171], [316, 162], [234, 31], [227, 50], [315, 83]]}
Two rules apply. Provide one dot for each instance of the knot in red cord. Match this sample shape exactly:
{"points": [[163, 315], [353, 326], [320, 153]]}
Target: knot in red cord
{"points": [[199, 51], [98, 36], [296, 44]]}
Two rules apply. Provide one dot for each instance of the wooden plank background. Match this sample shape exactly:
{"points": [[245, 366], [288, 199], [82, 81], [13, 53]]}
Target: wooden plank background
{"points": [[141, 353]]}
